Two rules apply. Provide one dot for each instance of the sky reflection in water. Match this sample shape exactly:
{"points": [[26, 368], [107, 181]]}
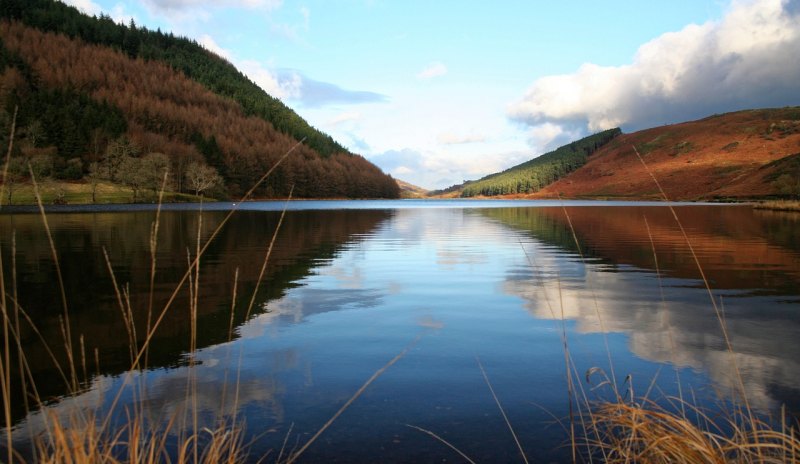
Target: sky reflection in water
{"points": [[458, 284]]}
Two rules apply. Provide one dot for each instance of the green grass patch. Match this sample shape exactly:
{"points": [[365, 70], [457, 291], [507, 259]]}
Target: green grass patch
{"points": [[731, 147], [76, 193], [656, 143], [681, 148], [723, 171]]}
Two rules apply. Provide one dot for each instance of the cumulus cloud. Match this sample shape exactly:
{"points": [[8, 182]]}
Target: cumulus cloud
{"points": [[435, 69], [748, 59]]}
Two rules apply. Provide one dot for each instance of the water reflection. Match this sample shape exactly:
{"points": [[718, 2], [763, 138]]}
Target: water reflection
{"points": [[238, 252], [348, 290], [751, 262]]}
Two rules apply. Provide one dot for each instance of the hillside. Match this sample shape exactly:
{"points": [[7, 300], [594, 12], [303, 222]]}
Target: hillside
{"points": [[92, 93], [410, 190], [740, 155], [532, 175]]}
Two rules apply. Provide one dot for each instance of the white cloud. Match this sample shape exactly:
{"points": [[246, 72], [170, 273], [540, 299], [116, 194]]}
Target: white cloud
{"points": [[211, 45], [306, 14], [746, 60], [85, 6], [120, 15], [434, 170], [342, 118], [435, 69], [448, 138], [402, 171], [177, 5], [279, 86]]}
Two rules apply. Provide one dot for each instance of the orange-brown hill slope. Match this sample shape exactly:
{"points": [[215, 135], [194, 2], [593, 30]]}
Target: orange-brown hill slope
{"points": [[746, 154], [164, 111]]}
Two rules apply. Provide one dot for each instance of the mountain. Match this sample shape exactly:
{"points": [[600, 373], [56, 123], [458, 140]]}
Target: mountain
{"points": [[739, 155], [532, 175], [90, 92]]}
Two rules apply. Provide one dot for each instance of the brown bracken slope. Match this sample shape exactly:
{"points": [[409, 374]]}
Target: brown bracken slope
{"points": [[741, 155]]}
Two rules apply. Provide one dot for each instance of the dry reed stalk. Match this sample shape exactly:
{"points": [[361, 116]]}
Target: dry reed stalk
{"points": [[502, 411], [153, 258], [66, 328], [437, 437], [673, 348], [5, 363], [293, 457], [717, 310], [267, 256], [594, 295], [569, 364]]}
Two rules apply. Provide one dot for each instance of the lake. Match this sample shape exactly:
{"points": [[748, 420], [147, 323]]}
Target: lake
{"points": [[449, 290]]}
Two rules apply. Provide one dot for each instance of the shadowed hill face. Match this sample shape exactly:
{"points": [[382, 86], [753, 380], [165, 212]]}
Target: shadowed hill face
{"points": [[735, 155]]}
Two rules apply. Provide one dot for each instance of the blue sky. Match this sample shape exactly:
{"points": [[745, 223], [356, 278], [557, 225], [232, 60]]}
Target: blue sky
{"points": [[436, 92]]}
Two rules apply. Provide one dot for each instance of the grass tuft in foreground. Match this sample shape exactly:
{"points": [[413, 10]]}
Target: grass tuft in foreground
{"points": [[83, 441], [646, 432]]}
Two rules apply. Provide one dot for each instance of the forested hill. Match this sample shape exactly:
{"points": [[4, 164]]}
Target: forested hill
{"points": [[533, 175], [88, 88]]}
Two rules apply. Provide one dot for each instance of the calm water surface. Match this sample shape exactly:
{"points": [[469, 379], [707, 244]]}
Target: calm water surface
{"points": [[350, 285]]}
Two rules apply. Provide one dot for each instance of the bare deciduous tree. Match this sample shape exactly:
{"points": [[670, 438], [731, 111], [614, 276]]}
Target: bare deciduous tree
{"points": [[202, 177], [153, 167]]}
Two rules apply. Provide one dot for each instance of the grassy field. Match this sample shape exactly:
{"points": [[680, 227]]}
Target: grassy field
{"points": [[80, 193]]}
